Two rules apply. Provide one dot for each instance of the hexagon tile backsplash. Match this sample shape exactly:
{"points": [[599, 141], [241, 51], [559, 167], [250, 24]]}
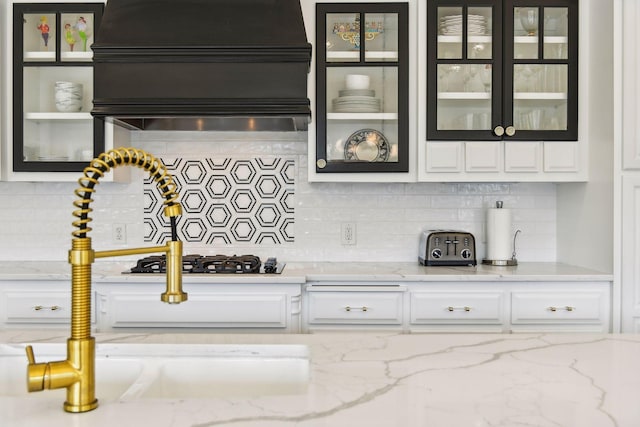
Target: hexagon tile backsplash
{"points": [[227, 201]]}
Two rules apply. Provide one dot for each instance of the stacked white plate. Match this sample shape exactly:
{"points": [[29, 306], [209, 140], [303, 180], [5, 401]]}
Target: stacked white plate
{"points": [[356, 101], [452, 25]]}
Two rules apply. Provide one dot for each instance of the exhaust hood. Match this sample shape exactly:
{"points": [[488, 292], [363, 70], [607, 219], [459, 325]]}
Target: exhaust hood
{"points": [[202, 65]]}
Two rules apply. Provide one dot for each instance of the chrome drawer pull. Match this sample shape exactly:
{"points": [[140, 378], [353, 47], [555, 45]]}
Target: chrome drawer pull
{"points": [[42, 307], [565, 308], [363, 308], [465, 308]]}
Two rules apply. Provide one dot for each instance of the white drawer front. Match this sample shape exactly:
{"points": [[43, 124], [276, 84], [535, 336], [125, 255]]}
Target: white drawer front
{"points": [[457, 307], [38, 307], [355, 307], [557, 307], [201, 310]]}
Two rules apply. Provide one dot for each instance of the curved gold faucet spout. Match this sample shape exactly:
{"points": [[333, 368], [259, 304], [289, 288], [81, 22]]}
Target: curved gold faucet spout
{"points": [[77, 372]]}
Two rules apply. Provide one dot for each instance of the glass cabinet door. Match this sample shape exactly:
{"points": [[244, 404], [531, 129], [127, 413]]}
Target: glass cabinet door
{"points": [[362, 87], [503, 69], [543, 70], [53, 87], [464, 89]]}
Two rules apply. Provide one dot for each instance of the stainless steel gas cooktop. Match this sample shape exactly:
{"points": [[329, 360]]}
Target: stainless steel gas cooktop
{"points": [[211, 264]]}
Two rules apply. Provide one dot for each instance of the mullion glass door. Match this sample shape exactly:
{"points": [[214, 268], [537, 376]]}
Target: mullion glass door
{"points": [[362, 88], [542, 70], [464, 70]]}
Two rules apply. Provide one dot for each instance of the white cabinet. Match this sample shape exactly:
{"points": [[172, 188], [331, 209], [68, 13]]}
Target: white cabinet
{"points": [[348, 306], [446, 307], [511, 307], [467, 149], [224, 307], [523, 156], [552, 308], [36, 304], [630, 270], [460, 306], [627, 162]]}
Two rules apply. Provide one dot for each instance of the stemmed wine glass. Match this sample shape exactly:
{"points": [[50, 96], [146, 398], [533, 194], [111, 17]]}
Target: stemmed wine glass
{"points": [[486, 73], [529, 20]]}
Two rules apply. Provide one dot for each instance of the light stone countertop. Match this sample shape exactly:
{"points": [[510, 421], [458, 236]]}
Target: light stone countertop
{"points": [[301, 272], [389, 380]]}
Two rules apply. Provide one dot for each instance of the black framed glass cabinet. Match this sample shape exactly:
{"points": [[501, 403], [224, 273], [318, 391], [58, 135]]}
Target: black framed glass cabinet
{"points": [[53, 130], [362, 87], [502, 70]]}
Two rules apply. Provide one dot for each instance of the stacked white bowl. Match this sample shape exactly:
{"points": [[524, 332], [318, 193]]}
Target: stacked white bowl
{"points": [[68, 96]]}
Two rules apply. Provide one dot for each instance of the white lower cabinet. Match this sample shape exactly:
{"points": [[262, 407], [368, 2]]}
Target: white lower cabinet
{"points": [[489, 307], [379, 307], [36, 305], [511, 307], [224, 307], [458, 306], [439, 310], [558, 310]]}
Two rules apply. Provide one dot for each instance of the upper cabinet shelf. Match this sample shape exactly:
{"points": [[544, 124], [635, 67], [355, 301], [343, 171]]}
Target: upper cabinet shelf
{"points": [[64, 56], [368, 56]]}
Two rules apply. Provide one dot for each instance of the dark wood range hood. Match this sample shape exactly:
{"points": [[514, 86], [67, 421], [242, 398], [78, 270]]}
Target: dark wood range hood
{"points": [[202, 65]]}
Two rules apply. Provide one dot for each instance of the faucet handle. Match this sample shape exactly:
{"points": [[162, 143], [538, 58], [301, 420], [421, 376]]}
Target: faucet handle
{"points": [[30, 357], [36, 372]]}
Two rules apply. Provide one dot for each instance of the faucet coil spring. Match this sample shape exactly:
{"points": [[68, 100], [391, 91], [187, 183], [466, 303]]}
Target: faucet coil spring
{"points": [[103, 164]]}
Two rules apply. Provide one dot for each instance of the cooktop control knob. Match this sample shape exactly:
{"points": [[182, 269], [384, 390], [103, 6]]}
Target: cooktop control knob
{"points": [[465, 253], [436, 253]]}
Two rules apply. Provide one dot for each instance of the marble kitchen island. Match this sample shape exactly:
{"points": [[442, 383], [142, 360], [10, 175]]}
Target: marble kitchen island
{"points": [[375, 379]]}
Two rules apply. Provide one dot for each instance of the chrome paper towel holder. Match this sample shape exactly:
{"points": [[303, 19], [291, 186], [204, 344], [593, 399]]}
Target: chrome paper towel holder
{"points": [[504, 262]]}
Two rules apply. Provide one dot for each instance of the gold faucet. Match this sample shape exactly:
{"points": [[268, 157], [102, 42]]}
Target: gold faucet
{"points": [[77, 372]]}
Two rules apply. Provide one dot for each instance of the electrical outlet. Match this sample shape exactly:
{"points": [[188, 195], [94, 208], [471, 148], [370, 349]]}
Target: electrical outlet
{"points": [[119, 233], [348, 233]]}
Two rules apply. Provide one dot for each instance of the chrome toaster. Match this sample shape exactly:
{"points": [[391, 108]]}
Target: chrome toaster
{"points": [[447, 247]]}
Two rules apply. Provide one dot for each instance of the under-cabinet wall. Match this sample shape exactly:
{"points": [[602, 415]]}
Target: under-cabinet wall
{"points": [[389, 217]]}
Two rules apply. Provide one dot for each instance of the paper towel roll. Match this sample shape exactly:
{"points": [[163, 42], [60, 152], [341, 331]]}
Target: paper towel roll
{"points": [[499, 235]]}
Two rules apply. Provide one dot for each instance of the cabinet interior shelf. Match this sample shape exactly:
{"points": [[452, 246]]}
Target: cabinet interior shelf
{"points": [[517, 95], [516, 39], [40, 56], [545, 39], [362, 116], [51, 56], [540, 95], [58, 116], [77, 56], [348, 54], [464, 95]]}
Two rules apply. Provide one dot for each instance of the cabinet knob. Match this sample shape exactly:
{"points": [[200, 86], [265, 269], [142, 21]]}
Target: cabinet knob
{"points": [[498, 130], [321, 163], [510, 131]]}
